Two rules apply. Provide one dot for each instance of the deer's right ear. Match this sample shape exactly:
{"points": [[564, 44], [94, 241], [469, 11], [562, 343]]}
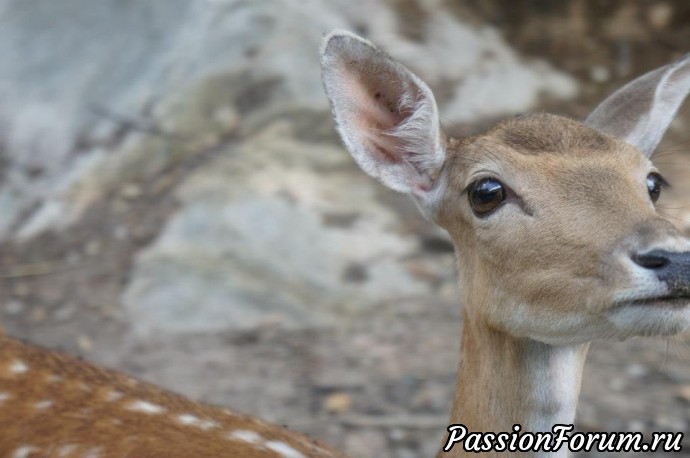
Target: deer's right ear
{"points": [[641, 111], [386, 116]]}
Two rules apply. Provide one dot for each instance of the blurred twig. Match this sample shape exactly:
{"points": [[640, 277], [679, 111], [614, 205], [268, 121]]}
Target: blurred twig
{"points": [[37, 269]]}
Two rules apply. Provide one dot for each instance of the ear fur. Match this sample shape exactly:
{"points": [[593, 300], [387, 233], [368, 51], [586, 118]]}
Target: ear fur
{"points": [[386, 116], [641, 111]]}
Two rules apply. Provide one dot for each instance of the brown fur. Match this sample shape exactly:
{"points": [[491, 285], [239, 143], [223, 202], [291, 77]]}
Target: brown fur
{"points": [[545, 133], [546, 257], [83, 414], [584, 201]]}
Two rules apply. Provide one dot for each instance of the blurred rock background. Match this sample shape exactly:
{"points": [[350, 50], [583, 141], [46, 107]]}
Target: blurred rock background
{"points": [[176, 203]]}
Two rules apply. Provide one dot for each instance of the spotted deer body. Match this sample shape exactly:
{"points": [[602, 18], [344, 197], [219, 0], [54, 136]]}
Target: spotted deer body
{"points": [[52, 405], [558, 244]]}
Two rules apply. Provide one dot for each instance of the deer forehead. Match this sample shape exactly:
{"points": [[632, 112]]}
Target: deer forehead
{"points": [[542, 151]]}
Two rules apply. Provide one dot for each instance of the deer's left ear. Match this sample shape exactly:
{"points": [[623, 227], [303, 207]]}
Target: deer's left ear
{"points": [[641, 111], [386, 116]]}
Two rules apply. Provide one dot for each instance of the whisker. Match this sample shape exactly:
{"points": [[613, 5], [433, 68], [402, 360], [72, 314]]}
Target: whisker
{"points": [[667, 216], [665, 207], [672, 146], [669, 152], [673, 163], [663, 364]]}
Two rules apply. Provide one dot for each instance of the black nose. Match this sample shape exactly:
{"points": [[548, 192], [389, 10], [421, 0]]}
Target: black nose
{"points": [[655, 259], [671, 267]]}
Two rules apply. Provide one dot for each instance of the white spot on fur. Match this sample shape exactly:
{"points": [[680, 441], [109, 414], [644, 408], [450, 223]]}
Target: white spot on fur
{"points": [[52, 378], [113, 396], [24, 451], [283, 449], [4, 397], [42, 405], [251, 437], [244, 435], [187, 419], [208, 424], [193, 420], [145, 407], [18, 367]]}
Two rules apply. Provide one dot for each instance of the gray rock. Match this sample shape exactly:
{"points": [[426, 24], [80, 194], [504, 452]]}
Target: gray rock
{"points": [[274, 228], [277, 228], [82, 81]]}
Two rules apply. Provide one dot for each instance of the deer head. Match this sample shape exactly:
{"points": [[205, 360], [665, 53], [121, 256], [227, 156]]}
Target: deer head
{"points": [[553, 220]]}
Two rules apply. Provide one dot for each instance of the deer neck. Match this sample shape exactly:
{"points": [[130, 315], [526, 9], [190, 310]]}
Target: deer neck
{"points": [[503, 381]]}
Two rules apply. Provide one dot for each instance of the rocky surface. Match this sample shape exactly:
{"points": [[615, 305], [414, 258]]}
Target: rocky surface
{"points": [[156, 83], [176, 202]]}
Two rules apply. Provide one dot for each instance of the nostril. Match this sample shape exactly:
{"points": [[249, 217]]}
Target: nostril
{"points": [[653, 260]]}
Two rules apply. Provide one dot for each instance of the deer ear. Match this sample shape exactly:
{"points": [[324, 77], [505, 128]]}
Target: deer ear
{"points": [[386, 116], [641, 111]]}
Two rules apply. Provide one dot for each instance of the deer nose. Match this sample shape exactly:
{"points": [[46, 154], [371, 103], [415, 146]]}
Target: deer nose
{"points": [[654, 260], [671, 267]]}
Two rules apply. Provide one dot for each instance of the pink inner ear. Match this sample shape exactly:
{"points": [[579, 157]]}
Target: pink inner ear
{"points": [[374, 113]]}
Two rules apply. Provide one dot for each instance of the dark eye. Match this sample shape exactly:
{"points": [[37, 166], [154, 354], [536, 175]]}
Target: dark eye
{"points": [[486, 195], [654, 184]]}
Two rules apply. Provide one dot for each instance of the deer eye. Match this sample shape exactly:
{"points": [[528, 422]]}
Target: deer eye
{"points": [[486, 195], [654, 184]]}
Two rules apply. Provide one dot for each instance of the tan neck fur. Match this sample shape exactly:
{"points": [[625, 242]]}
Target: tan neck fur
{"points": [[503, 380]]}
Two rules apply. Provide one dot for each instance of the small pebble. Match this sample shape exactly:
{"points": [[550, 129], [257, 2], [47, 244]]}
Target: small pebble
{"points": [[21, 290], [683, 392], [660, 15], [396, 434], [38, 315], [65, 312], [226, 116], [14, 308], [617, 384], [131, 191], [338, 402], [73, 258], [636, 426], [405, 452], [121, 232], [599, 74], [93, 248], [84, 343], [362, 442], [636, 370]]}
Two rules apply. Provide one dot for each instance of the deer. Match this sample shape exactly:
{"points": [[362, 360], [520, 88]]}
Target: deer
{"points": [[557, 239]]}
